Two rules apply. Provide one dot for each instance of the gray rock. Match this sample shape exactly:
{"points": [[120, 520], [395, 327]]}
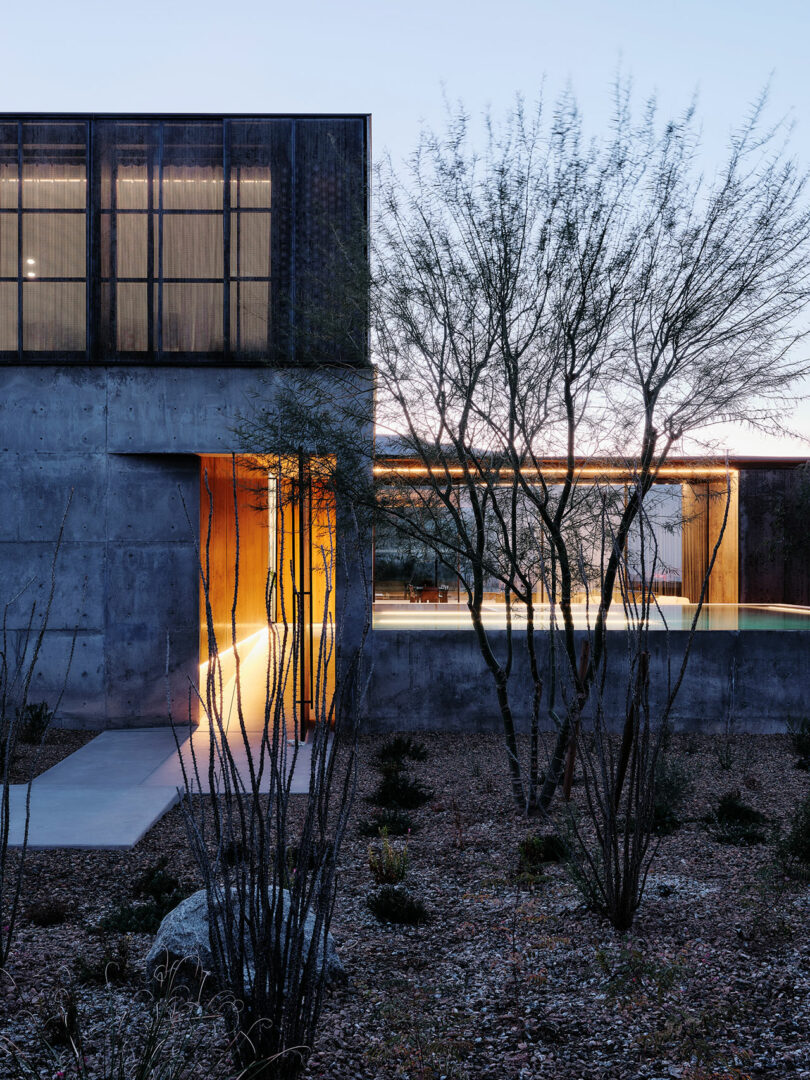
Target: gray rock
{"points": [[183, 939]]}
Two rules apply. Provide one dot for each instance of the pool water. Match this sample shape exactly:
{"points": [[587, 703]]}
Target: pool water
{"points": [[393, 615]]}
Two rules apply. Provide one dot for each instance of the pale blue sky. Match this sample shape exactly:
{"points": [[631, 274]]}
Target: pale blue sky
{"points": [[391, 59]]}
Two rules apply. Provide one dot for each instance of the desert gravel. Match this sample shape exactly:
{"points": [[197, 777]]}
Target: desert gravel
{"points": [[511, 978]]}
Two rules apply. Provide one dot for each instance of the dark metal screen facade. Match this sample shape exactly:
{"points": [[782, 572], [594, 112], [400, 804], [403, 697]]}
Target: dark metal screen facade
{"points": [[168, 239]]}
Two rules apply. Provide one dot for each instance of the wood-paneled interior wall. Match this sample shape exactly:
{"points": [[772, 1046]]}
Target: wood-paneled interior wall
{"points": [[249, 509], [704, 507]]}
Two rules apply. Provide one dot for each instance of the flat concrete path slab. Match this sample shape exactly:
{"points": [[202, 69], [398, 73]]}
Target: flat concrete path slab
{"points": [[110, 792], [114, 758], [65, 816], [297, 760]]}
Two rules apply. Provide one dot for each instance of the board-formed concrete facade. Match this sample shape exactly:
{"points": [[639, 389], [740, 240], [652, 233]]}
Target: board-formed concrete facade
{"points": [[119, 433]]}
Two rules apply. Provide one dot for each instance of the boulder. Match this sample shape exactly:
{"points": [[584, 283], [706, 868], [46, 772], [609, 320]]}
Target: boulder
{"points": [[183, 939]]}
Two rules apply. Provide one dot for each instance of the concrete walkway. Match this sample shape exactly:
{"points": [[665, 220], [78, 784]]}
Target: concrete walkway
{"points": [[111, 792]]}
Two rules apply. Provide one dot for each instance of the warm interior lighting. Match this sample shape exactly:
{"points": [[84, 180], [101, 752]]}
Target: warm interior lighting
{"points": [[240, 646], [254, 657]]}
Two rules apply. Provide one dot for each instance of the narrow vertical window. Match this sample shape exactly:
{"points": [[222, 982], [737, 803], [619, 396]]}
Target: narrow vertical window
{"points": [[250, 236], [43, 239]]}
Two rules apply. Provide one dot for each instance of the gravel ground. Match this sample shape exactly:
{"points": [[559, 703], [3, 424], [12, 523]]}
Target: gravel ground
{"points": [[511, 978]]}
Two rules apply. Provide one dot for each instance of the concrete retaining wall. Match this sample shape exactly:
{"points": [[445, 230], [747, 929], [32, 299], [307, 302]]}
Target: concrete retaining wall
{"points": [[436, 680]]}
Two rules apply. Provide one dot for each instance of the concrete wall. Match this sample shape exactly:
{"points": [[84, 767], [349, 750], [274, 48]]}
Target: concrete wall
{"points": [[436, 680], [124, 440]]}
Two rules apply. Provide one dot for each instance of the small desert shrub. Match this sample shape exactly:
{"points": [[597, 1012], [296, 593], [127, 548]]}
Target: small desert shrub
{"points": [[389, 865], [395, 904], [794, 849], [134, 919], [632, 972], [160, 890], [34, 719], [738, 823], [672, 785], [534, 851], [398, 791], [398, 748], [799, 731], [48, 913], [158, 884], [393, 822], [112, 965]]}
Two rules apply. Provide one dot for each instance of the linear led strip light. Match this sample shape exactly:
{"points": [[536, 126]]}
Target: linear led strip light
{"points": [[670, 471]]}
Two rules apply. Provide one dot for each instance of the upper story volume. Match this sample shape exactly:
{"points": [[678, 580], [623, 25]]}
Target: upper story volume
{"points": [[172, 239]]}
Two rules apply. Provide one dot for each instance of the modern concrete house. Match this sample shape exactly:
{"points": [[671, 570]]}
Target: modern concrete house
{"points": [[156, 272]]}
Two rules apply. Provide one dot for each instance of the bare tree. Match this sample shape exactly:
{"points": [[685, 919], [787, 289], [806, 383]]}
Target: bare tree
{"points": [[545, 314], [268, 857], [553, 304]]}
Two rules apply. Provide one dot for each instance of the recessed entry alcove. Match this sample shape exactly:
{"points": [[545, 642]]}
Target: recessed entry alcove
{"points": [[267, 532]]}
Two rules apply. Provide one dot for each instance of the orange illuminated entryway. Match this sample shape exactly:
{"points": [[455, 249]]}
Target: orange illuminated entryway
{"points": [[266, 588]]}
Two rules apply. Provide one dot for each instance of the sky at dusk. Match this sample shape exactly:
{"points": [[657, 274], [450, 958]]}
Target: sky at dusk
{"points": [[397, 60]]}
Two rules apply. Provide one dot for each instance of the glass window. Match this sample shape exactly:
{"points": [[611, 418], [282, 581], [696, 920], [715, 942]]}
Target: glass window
{"points": [[43, 237], [162, 237], [251, 151]]}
